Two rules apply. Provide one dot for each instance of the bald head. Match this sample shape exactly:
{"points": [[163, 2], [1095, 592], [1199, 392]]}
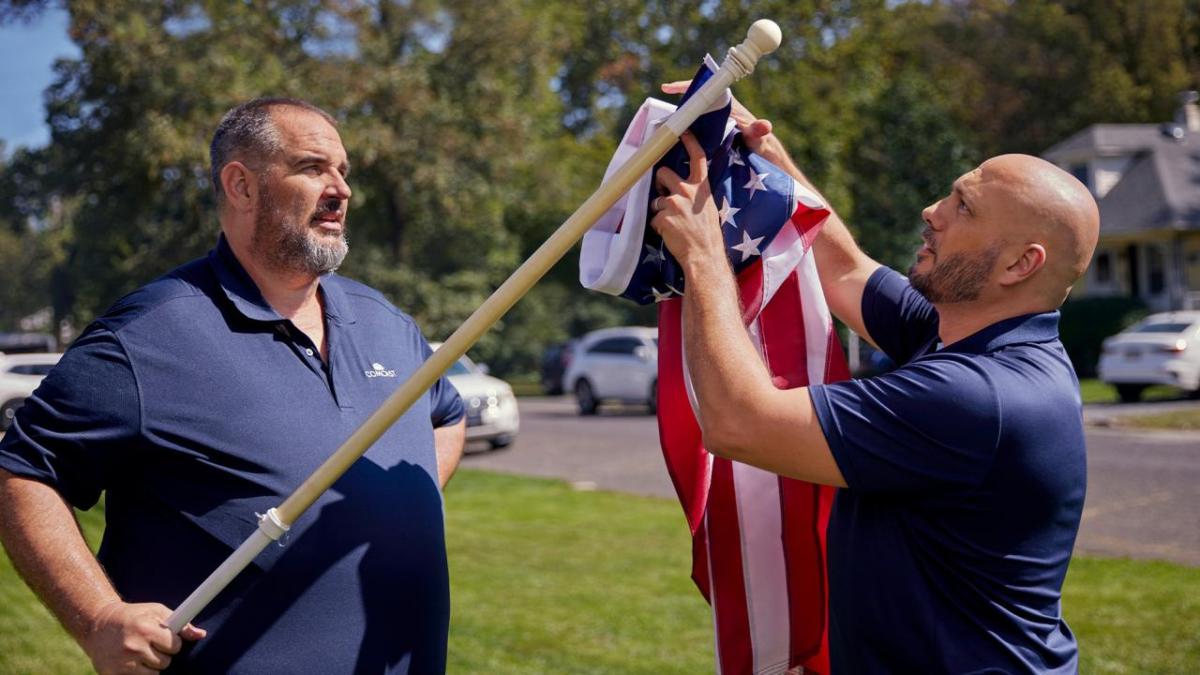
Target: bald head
{"points": [[1052, 208]]}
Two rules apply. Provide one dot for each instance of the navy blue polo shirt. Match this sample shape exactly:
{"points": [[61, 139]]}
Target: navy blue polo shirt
{"points": [[195, 406], [966, 470]]}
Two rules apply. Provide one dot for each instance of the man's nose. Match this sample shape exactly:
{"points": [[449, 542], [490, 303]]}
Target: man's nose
{"points": [[339, 187], [928, 213]]}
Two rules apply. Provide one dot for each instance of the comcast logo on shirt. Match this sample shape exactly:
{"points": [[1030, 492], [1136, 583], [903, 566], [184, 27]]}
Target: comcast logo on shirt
{"points": [[378, 370]]}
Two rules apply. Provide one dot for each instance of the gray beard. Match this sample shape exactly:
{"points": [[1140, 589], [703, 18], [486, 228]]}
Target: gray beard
{"points": [[959, 278], [290, 247]]}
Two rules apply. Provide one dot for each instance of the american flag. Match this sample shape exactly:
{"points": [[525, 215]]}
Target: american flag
{"points": [[758, 540]]}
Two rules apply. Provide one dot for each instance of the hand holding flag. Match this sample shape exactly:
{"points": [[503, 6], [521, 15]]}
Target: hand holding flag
{"points": [[686, 217], [754, 129]]}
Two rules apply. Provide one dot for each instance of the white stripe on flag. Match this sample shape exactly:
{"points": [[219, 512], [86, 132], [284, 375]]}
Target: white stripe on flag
{"points": [[817, 321], [781, 256], [763, 565], [711, 581]]}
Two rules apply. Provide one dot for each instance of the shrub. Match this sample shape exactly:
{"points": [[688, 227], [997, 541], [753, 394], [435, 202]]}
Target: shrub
{"points": [[1087, 321]]}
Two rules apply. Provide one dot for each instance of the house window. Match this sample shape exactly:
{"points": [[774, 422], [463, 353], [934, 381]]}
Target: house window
{"points": [[1080, 171], [1102, 270], [1156, 274]]}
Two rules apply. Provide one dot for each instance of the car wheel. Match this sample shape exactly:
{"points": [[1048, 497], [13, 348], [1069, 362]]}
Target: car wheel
{"points": [[586, 398], [501, 441], [652, 400], [8, 412], [1130, 393]]}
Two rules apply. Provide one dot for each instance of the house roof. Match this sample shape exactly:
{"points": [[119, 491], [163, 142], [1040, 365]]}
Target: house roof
{"points": [[1160, 189], [1105, 140]]}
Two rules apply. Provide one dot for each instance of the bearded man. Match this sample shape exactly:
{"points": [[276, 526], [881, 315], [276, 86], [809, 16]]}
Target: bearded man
{"points": [[209, 395], [964, 469]]}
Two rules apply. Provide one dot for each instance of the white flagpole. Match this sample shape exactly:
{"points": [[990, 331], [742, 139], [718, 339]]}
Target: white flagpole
{"points": [[762, 38]]}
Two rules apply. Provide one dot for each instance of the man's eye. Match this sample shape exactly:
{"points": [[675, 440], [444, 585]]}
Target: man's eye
{"points": [[962, 206], [312, 169]]}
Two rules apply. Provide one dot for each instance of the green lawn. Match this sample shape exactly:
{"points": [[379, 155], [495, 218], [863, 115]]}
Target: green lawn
{"points": [[1095, 391], [550, 580], [1182, 420]]}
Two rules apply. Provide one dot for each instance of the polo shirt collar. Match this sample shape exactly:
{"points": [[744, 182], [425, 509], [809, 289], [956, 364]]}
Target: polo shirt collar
{"points": [[1027, 328], [249, 301], [337, 307]]}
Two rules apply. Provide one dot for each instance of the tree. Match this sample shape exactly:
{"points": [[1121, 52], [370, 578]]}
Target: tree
{"points": [[475, 129]]}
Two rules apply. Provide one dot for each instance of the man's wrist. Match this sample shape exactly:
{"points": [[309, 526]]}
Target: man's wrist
{"points": [[770, 148], [91, 621], [705, 266]]}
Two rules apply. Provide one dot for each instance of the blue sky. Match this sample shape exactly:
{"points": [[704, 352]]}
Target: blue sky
{"points": [[27, 54]]}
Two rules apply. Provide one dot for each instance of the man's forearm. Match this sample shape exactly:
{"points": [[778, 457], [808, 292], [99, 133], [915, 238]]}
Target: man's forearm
{"points": [[43, 540], [722, 361], [448, 443], [744, 417], [841, 264]]}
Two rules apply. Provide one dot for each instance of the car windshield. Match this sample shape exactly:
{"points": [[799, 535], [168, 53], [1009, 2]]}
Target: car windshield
{"points": [[460, 367], [1162, 327]]}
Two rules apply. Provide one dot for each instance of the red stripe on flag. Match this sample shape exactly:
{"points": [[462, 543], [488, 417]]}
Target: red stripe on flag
{"points": [[836, 368], [808, 223], [681, 440], [782, 332], [786, 349], [750, 290], [734, 647], [804, 548]]}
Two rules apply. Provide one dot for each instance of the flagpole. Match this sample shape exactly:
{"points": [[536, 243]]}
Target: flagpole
{"points": [[763, 38]]}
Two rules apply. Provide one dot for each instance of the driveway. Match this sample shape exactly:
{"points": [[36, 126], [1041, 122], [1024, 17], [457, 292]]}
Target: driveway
{"points": [[1143, 496]]}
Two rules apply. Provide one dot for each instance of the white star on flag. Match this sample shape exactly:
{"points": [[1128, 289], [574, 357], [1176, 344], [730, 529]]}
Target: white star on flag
{"points": [[659, 296], [735, 158], [748, 247], [755, 183], [653, 255], [726, 212]]}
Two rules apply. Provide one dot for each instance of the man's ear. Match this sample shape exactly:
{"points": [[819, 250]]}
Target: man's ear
{"points": [[1031, 259], [240, 186]]}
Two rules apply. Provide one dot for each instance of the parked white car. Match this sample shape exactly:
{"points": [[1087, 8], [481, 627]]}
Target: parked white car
{"points": [[491, 406], [614, 364], [20, 374], [1160, 349]]}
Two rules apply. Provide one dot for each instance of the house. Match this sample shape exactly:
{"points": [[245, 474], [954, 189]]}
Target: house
{"points": [[1146, 178]]}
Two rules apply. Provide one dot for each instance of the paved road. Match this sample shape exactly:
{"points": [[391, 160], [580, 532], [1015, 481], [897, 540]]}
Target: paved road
{"points": [[1143, 493]]}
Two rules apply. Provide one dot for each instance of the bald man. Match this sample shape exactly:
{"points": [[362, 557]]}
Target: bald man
{"points": [[965, 467]]}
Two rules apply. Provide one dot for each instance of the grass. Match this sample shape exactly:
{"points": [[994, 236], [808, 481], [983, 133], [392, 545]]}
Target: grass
{"points": [[1180, 420], [1095, 391], [31, 641], [547, 579]]}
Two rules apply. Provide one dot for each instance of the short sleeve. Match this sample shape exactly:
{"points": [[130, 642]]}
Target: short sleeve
{"points": [[899, 320], [446, 406], [931, 425], [74, 429]]}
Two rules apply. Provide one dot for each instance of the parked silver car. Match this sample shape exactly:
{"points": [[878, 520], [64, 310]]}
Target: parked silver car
{"points": [[1160, 349], [614, 364], [491, 407], [20, 374]]}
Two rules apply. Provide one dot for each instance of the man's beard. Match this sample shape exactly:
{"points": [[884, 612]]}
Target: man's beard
{"points": [[289, 246], [958, 278]]}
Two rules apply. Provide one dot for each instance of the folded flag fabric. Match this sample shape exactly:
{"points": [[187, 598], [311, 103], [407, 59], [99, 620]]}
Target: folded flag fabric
{"points": [[758, 540]]}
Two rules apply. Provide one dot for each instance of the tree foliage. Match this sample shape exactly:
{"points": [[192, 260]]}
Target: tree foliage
{"points": [[475, 128]]}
